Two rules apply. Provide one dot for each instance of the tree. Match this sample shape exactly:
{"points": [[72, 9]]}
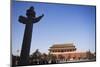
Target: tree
{"points": [[36, 57], [52, 58]]}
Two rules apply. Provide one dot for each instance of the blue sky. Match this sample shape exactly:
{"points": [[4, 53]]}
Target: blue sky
{"points": [[60, 24]]}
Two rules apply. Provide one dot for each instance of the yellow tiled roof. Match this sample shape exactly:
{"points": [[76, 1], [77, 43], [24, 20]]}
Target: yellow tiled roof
{"points": [[62, 45]]}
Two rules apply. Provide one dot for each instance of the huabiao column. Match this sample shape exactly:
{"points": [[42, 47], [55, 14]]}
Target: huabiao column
{"points": [[29, 21]]}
